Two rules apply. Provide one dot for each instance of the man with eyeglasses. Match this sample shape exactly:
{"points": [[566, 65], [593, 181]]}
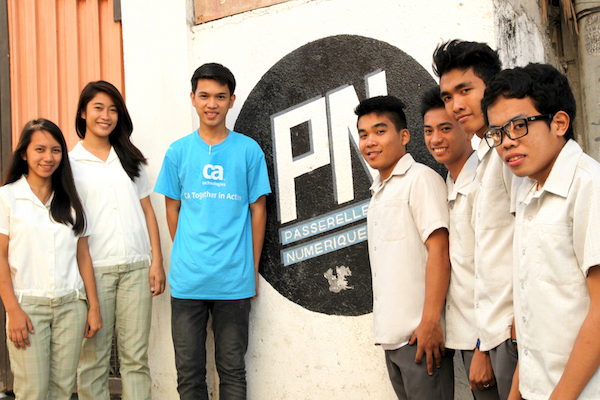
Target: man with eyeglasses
{"points": [[557, 235], [464, 69]]}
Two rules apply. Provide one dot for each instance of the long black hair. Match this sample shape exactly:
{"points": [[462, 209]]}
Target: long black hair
{"points": [[65, 200], [130, 156]]}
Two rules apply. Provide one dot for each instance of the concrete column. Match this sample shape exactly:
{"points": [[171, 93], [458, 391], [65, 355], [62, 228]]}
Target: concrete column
{"points": [[588, 21]]}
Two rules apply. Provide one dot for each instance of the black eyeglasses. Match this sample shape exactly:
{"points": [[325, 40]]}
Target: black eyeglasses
{"points": [[516, 128]]}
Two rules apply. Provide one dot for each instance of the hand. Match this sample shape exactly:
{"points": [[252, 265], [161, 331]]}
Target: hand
{"points": [[430, 340], [94, 322], [481, 374], [157, 278], [19, 324]]}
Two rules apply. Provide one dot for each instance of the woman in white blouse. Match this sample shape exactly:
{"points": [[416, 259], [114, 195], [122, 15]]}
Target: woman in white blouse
{"points": [[45, 266], [124, 242]]}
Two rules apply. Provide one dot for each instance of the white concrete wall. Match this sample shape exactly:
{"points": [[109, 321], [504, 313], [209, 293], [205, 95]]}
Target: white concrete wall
{"points": [[294, 353]]}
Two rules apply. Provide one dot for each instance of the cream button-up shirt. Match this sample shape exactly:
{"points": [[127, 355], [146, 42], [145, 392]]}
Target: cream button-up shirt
{"points": [[119, 232], [493, 223], [557, 240], [42, 253], [461, 329], [404, 210]]}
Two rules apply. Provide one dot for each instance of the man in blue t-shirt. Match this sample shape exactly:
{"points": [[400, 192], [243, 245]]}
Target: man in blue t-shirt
{"points": [[215, 184]]}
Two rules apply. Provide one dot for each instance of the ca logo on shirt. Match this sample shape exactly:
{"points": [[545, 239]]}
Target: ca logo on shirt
{"points": [[214, 172]]}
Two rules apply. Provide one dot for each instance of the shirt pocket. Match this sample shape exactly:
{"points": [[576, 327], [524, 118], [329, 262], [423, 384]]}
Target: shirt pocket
{"points": [[392, 221], [462, 237], [557, 263], [493, 206]]}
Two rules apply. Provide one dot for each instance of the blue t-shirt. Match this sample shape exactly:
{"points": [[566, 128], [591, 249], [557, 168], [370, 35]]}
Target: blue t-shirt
{"points": [[212, 257]]}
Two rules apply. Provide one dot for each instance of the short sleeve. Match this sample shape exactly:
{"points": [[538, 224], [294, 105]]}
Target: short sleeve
{"points": [[4, 215], [586, 229], [258, 177], [168, 183], [428, 203], [144, 187]]}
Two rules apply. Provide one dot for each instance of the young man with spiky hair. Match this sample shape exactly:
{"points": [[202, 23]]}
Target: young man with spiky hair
{"points": [[556, 246], [464, 68], [451, 146], [214, 264], [408, 249]]}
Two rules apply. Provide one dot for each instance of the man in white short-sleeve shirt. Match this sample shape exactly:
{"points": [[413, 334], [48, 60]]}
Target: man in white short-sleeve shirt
{"points": [[464, 68], [557, 235], [408, 249], [450, 146]]}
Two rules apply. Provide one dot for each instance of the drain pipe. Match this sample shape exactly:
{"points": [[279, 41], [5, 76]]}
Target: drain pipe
{"points": [[588, 22]]}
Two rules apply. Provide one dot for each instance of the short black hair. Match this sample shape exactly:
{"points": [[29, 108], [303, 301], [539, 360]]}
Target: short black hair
{"points": [[216, 72], [431, 100], [547, 88], [462, 55], [390, 106]]}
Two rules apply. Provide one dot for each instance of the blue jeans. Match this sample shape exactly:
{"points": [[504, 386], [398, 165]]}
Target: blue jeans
{"points": [[230, 325]]}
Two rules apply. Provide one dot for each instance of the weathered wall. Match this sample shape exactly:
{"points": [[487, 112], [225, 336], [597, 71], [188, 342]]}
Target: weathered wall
{"points": [[520, 35], [311, 338]]}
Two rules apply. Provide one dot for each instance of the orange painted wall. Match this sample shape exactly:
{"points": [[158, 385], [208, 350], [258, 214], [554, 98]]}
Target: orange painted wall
{"points": [[56, 48]]}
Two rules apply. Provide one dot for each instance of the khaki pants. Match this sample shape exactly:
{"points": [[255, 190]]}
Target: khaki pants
{"points": [[125, 304], [46, 369]]}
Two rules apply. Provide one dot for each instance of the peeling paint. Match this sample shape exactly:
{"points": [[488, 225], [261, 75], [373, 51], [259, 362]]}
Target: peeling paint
{"points": [[337, 281]]}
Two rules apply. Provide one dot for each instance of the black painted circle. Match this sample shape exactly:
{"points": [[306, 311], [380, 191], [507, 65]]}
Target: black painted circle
{"points": [[310, 71]]}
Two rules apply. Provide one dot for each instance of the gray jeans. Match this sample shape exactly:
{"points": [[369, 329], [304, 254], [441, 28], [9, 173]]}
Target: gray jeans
{"points": [[230, 325]]}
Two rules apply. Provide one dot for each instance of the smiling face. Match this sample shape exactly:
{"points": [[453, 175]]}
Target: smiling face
{"points": [[100, 115], [212, 101], [446, 141], [381, 143], [43, 156], [462, 91], [532, 155]]}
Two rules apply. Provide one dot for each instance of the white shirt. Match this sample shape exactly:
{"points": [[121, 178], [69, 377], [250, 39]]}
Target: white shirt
{"points": [[119, 232], [42, 253], [461, 329], [493, 223], [404, 210], [557, 240]]}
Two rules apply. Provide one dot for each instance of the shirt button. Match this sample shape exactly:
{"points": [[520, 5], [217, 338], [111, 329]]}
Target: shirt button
{"points": [[529, 218], [525, 352], [448, 307], [477, 305], [375, 248], [375, 223], [524, 320], [522, 286], [523, 252], [476, 276]]}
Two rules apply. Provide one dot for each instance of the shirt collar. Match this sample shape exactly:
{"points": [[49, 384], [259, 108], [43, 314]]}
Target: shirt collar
{"points": [[401, 167], [561, 175], [80, 153], [483, 149], [466, 176], [23, 191]]}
